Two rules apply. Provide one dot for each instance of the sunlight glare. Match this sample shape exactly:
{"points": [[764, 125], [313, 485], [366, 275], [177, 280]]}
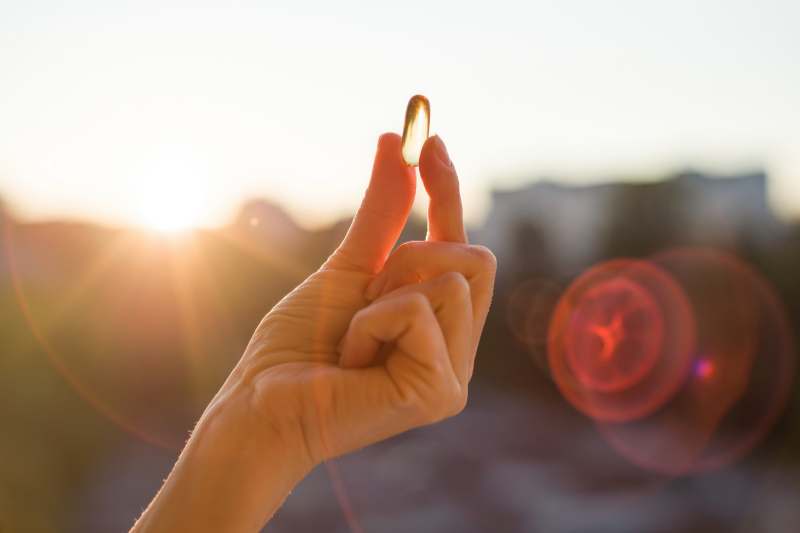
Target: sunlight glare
{"points": [[170, 195]]}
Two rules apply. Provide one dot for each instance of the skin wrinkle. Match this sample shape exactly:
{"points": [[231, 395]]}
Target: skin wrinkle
{"points": [[297, 320], [304, 425], [319, 425]]}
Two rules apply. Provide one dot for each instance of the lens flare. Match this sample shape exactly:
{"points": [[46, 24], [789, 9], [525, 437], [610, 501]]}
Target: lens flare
{"points": [[529, 308], [614, 336], [608, 351], [742, 373], [685, 361]]}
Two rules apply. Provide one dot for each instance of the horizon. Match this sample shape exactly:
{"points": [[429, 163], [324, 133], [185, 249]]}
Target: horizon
{"points": [[288, 101], [418, 210]]}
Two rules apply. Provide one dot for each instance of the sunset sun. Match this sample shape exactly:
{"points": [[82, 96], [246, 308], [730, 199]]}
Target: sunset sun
{"points": [[170, 195]]}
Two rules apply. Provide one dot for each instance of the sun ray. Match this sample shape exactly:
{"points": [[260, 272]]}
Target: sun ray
{"points": [[183, 262], [56, 361], [98, 267]]}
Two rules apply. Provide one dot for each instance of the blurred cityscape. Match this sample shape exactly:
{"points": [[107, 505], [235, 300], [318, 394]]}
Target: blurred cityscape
{"points": [[115, 340]]}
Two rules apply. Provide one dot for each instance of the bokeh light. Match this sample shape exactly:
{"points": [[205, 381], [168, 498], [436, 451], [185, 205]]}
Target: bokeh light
{"points": [[615, 335], [633, 371], [528, 310], [684, 361]]}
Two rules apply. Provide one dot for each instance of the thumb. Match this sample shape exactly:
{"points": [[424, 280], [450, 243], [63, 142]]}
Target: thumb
{"points": [[383, 212]]}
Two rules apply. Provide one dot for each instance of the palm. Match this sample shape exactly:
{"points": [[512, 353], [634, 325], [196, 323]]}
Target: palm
{"points": [[293, 357], [310, 322]]}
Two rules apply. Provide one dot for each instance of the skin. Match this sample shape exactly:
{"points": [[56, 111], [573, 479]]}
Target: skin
{"points": [[369, 346]]}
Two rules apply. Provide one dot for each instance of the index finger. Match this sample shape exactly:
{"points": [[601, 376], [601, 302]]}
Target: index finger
{"points": [[382, 214], [445, 213]]}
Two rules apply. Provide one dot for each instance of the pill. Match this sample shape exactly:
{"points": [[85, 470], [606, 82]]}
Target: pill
{"points": [[415, 130]]}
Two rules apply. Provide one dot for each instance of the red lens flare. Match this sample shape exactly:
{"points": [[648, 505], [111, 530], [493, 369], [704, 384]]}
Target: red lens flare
{"points": [[614, 336], [609, 351], [741, 378], [685, 361]]}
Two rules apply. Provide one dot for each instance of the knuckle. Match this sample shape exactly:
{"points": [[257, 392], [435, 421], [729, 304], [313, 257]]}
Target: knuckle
{"points": [[409, 400], [452, 402], [456, 286], [342, 259], [453, 279], [359, 320], [417, 303], [485, 257], [447, 397], [426, 407], [406, 251], [461, 403], [438, 400]]}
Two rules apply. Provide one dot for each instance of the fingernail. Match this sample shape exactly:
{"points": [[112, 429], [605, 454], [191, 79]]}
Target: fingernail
{"points": [[441, 151], [376, 286], [379, 139]]}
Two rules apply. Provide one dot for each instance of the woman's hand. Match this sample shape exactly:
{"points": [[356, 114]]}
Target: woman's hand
{"points": [[301, 384], [407, 337]]}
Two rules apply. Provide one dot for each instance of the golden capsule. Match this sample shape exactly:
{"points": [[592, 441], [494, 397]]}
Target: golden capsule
{"points": [[415, 130]]}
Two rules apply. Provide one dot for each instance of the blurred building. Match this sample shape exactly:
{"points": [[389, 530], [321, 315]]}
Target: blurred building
{"points": [[564, 229]]}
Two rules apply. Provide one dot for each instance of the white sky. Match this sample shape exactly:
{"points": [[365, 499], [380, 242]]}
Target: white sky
{"points": [[287, 100]]}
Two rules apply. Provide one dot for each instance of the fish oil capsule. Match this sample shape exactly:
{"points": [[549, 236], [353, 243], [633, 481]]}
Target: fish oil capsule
{"points": [[415, 130]]}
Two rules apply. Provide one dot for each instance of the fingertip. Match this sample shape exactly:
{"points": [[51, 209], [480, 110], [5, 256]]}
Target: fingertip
{"points": [[390, 154], [445, 213], [393, 183], [441, 151], [434, 154], [437, 171], [375, 287], [393, 176]]}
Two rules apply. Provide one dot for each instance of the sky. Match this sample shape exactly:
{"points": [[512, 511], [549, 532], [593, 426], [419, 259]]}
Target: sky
{"points": [[110, 110]]}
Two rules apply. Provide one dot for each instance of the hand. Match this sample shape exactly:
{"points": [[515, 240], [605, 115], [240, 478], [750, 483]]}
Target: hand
{"points": [[292, 401]]}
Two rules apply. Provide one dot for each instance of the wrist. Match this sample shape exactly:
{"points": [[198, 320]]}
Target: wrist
{"points": [[232, 476]]}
